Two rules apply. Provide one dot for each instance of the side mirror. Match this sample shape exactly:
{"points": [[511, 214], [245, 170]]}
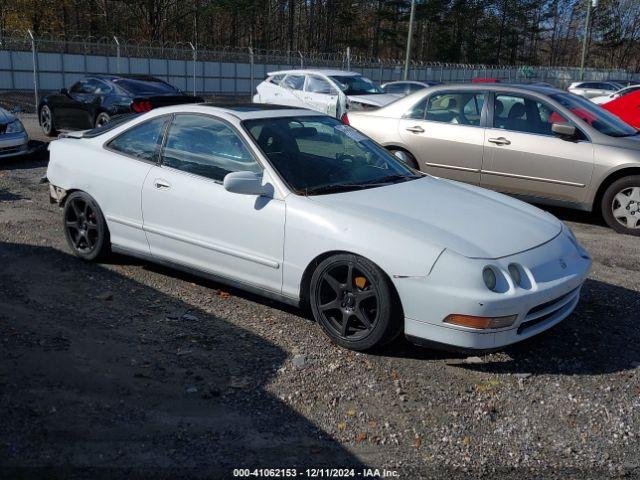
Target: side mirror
{"points": [[64, 91], [244, 183], [563, 130]]}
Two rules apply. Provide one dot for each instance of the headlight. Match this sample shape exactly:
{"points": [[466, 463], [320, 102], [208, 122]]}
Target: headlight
{"points": [[15, 127], [489, 277], [516, 276]]}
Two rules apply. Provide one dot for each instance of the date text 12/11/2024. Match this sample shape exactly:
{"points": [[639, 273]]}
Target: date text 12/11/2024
{"points": [[314, 473]]}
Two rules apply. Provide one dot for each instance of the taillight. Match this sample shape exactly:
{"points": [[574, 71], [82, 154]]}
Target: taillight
{"points": [[345, 119], [140, 106]]}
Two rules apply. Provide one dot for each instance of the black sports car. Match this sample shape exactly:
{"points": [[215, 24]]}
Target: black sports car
{"points": [[94, 100]]}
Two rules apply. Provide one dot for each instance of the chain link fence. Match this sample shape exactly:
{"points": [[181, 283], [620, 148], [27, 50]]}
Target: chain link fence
{"points": [[47, 63]]}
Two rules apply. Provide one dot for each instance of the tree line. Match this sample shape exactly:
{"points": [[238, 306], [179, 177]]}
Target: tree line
{"points": [[534, 32]]}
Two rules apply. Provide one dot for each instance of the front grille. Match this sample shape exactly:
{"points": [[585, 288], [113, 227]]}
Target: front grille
{"points": [[555, 307], [10, 150]]}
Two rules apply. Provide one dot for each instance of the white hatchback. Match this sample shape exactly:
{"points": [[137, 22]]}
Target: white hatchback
{"points": [[299, 207], [333, 92]]}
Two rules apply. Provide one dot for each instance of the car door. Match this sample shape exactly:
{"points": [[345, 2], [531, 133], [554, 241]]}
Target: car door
{"points": [[320, 95], [81, 108], [523, 156], [190, 218], [445, 134]]}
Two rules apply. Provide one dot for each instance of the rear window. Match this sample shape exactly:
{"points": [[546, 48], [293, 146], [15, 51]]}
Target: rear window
{"points": [[146, 87]]}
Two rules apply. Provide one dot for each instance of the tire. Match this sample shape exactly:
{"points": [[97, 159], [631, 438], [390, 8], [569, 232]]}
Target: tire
{"points": [[621, 205], [85, 228], [354, 302], [102, 119], [47, 121], [406, 158]]}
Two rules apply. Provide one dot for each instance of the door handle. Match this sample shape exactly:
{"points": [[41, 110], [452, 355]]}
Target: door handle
{"points": [[161, 184], [500, 141], [416, 129]]}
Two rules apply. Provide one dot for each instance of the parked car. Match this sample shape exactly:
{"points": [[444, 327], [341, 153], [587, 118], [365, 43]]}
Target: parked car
{"points": [[542, 144], [405, 87], [627, 107], [94, 100], [14, 139], [372, 246], [593, 89], [624, 83], [333, 92], [612, 96]]}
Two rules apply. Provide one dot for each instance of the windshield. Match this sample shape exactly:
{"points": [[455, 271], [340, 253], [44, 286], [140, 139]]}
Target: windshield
{"points": [[594, 115], [146, 87], [355, 85], [317, 155]]}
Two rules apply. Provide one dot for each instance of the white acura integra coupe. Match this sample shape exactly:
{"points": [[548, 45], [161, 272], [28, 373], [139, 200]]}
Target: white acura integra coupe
{"points": [[301, 208]]}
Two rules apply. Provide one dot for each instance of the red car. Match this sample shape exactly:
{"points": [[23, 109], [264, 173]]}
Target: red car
{"points": [[627, 107]]}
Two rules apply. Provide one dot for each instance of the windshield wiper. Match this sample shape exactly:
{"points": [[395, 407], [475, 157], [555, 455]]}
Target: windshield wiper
{"points": [[335, 188], [396, 178]]}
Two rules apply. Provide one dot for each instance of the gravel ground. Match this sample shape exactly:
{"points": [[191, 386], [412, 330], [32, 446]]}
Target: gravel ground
{"points": [[129, 369]]}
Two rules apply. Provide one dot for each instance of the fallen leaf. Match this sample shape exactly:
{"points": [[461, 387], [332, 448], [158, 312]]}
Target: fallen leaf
{"points": [[373, 424], [487, 386], [351, 413], [342, 426], [361, 437], [394, 374], [417, 442], [222, 294], [466, 440]]}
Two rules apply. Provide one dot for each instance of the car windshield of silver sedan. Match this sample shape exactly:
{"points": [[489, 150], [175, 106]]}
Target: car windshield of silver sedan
{"points": [[594, 115], [356, 85], [320, 155]]}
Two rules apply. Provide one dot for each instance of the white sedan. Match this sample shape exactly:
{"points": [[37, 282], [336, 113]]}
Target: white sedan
{"points": [[333, 92], [299, 207]]}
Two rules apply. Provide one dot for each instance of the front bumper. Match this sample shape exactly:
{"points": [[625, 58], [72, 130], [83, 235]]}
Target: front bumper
{"points": [[556, 269], [14, 144]]}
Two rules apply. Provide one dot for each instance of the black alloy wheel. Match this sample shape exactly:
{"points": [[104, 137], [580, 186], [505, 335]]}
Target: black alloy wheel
{"points": [[84, 227], [353, 301]]}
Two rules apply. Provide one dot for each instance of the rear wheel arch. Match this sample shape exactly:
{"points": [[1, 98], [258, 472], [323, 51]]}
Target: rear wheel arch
{"points": [[398, 148]]}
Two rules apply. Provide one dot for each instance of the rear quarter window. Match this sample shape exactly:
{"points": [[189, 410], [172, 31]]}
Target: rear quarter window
{"points": [[141, 141]]}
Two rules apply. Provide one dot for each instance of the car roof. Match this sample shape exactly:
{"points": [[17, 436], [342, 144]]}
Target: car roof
{"points": [[246, 111], [141, 78], [319, 71]]}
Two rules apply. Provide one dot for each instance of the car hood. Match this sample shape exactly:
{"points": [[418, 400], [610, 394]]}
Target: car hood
{"points": [[376, 99], [471, 221], [6, 117]]}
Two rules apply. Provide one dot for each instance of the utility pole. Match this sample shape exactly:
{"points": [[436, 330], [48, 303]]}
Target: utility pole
{"points": [[585, 40], [407, 57]]}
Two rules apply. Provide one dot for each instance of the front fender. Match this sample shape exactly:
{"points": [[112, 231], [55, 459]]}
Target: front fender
{"points": [[313, 229]]}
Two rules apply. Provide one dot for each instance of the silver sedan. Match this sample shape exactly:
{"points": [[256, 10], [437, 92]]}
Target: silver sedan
{"points": [[544, 145], [13, 137]]}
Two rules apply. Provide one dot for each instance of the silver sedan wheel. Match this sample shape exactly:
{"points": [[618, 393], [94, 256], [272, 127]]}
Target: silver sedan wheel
{"points": [[45, 119], [626, 207]]}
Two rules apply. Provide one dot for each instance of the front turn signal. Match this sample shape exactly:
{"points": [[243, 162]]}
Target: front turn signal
{"points": [[480, 323]]}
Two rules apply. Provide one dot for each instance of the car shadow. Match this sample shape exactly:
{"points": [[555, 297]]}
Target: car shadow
{"points": [[600, 337], [37, 158], [104, 377], [573, 215]]}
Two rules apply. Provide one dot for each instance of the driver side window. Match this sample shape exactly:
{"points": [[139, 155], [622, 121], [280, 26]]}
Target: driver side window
{"points": [[317, 85], [205, 146]]}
